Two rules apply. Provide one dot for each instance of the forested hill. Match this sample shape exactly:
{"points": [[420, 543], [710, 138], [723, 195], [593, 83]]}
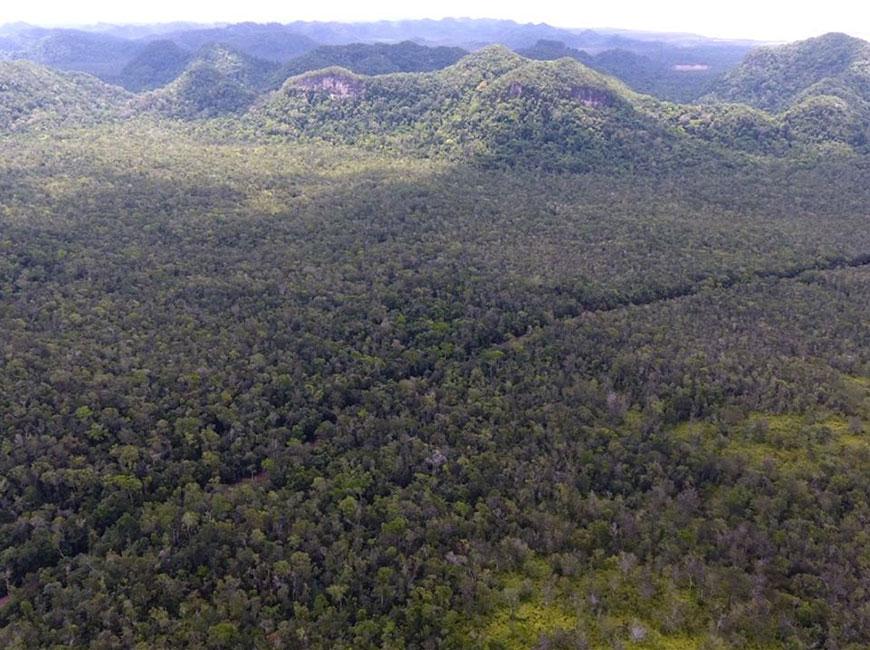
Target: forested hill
{"points": [[377, 58], [776, 78], [33, 97], [102, 55], [218, 80], [493, 103]]}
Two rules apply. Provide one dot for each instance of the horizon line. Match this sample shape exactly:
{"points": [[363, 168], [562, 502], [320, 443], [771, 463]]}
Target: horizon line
{"points": [[84, 26]]}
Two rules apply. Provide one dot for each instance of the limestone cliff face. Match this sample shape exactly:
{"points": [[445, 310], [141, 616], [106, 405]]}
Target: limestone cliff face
{"points": [[335, 84], [593, 97]]}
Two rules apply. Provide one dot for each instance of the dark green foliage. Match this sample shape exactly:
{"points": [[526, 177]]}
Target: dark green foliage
{"points": [[156, 65], [218, 81], [201, 92], [373, 59], [257, 393], [821, 88], [820, 118], [735, 126], [337, 104]]}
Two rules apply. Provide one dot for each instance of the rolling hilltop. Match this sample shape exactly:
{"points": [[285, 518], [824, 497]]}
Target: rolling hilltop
{"points": [[218, 80], [35, 97], [377, 58], [777, 78], [493, 103]]}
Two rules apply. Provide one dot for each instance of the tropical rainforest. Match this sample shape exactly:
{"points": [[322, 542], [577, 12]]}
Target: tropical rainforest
{"points": [[391, 345]]}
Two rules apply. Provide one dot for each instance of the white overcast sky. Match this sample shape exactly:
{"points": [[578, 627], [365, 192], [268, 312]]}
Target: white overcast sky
{"points": [[756, 19]]}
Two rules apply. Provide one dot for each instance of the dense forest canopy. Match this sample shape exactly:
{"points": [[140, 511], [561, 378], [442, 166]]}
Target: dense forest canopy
{"points": [[404, 347]]}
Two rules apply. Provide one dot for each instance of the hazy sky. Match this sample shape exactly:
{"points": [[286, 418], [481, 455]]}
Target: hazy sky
{"points": [[758, 19]]}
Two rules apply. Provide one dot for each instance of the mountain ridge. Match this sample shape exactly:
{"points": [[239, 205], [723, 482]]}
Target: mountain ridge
{"points": [[486, 102], [105, 50]]}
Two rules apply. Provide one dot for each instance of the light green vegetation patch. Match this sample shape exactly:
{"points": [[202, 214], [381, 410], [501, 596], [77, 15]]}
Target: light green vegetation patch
{"points": [[619, 605], [789, 442]]}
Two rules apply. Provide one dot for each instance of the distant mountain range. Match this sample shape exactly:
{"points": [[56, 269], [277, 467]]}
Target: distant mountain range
{"points": [[376, 58], [677, 76], [493, 104], [672, 66]]}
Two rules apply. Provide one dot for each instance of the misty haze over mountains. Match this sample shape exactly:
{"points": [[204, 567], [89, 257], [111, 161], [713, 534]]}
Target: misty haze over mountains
{"points": [[754, 97], [678, 66]]}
